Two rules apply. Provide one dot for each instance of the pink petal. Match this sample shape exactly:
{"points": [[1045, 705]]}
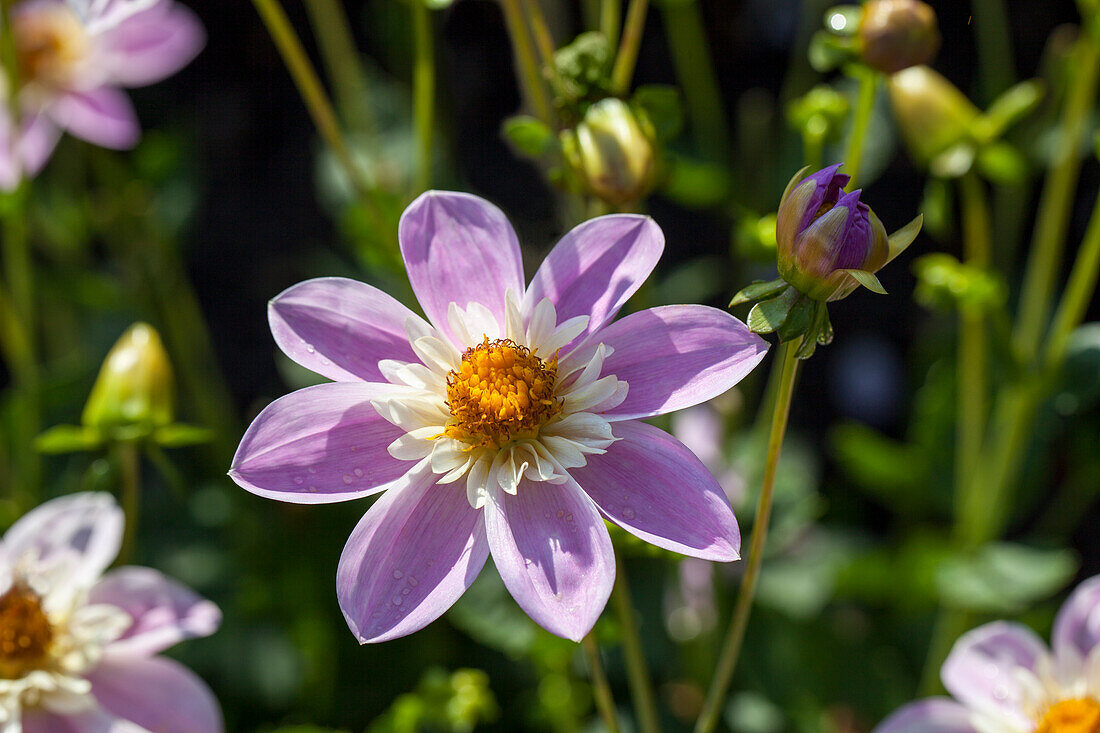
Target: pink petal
{"points": [[596, 267], [318, 445], [85, 527], [340, 328], [36, 145], [157, 693], [102, 116], [165, 612], [412, 555], [1077, 627], [673, 357], [980, 671], [553, 552], [151, 45], [933, 715], [651, 485], [459, 248]]}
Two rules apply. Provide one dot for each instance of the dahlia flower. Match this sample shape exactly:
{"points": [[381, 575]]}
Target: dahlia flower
{"points": [[73, 56], [507, 423], [1005, 680], [77, 647]]}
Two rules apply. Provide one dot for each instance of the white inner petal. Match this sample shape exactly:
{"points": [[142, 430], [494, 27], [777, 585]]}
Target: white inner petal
{"points": [[418, 403]]}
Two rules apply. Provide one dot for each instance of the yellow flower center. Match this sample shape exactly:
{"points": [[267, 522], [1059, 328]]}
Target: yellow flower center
{"points": [[1081, 715], [50, 43], [499, 392], [25, 632]]}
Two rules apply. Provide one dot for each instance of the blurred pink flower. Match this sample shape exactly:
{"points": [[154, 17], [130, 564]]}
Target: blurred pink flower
{"points": [[77, 647], [528, 394], [74, 56], [1004, 679]]}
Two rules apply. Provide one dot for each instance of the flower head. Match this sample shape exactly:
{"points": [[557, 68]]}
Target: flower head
{"points": [[72, 58], [612, 154], [135, 385], [77, 647], [829, 242], [505, 424], [1004, 679], [897, 34]]}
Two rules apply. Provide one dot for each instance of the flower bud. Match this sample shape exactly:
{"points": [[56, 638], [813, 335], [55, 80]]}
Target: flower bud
{"points": [[897, 34], [612, 153], [134, 389], [932, 114], [828, 241]]}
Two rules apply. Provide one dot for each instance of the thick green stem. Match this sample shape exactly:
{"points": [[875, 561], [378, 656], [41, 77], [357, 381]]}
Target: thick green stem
{"points": [[601, 691], [637, 672], [994, 40], [610, 19], [972, 381], [127, 463], [311, 90], [1056, 201], [529, 74], [423, 92], [544, 41], [336, 43], [731, 649], [687, 40], [627, 58], [861, 121]]}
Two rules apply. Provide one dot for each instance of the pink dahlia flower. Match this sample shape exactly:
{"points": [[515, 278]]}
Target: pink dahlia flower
{"points": [[77, 647], [508, 423], [73, 57], [1004, 679]]}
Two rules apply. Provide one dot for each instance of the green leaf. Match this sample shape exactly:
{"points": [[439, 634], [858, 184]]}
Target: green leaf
{"points": [[1004, 577], [529, 136], [1080, 377], [798, 319], [867, 280], [437, 4], [828, 51], [1008, 109], [180, 435], [759, 290], [890, 471], [900, 240], [68, 439], [695, 183], [1002, 163], [769, 315], [662, 106], [953, 162]]}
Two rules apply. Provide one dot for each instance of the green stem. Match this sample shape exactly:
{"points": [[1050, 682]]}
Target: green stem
{"points": [[861, 121], [610, 19], [731, 649], [951, 623], [1056, 201], [813, 150], [637, 672], [529, 73], [601, 691], [627, 58], [1078, 293], [691, 57], [994, 40], [336, 43], [312, 92], [544, 41], [127, 462], [973, 350], [423, 92]]}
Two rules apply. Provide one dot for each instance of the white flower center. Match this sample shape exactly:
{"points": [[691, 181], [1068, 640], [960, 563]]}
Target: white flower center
{"points": [[498, 406]]}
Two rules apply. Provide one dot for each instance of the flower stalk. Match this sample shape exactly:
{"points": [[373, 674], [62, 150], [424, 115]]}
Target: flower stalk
{"points": [[529, 75], [127, 463], [861, 121], [601, 690], [637, 672], [423, 93], [627, 58], [341, 59], [731, 649]]}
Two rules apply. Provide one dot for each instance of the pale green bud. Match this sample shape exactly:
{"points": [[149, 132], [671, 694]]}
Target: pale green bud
{"points": [[135, 388], [932, 114], [614, 156]]}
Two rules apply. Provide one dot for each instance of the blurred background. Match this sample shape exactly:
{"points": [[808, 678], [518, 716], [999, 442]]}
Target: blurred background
{"points": [[231, 198]]}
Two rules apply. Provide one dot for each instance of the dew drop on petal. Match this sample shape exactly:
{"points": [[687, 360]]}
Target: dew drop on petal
{"points": [[398, 575], [406, 591], [413, 581], [569, 517], [310, 349], [561, 513], [398, 600], [348, 479], [299, 480], [628, 512], [313, 489], [358, 472]]}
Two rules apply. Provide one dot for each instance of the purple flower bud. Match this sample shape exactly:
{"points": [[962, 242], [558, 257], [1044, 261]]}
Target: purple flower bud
{"points": [[825, 235]]}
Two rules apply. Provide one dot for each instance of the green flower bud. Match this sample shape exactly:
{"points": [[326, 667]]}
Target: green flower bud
{"points": [[932, 114], [614, 157], [134, 390], [896, 34]]}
